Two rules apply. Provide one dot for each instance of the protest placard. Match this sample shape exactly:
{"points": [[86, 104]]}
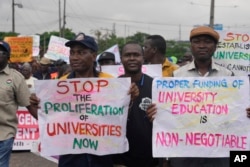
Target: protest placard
{"points": [[200, 116], [233, 51], [35, 45], [87, 115], [153, 70], [21, 48], [57, 49], [27, 130]]}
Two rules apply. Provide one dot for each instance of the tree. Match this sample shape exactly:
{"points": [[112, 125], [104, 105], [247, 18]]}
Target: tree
{"points": [[7, 34], [108, 39], [45, 37], [176, 49]]}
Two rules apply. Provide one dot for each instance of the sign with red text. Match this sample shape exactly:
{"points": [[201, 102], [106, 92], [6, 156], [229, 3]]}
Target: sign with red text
{"points": [[57, 49], [21, 48], [85, 115], [35, 45], [233, 51], [200, 116], [153, 70], [27, 130]]}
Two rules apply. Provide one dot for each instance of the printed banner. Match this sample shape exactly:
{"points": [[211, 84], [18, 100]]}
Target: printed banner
{"points": [[233, 52], [83, 115], [153, 70], [200, 117], [27, 130]]}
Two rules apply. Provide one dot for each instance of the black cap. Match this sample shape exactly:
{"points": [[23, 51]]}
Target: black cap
{"points": [[106, 56], [85, 40], [5, 46], [59, 62]]}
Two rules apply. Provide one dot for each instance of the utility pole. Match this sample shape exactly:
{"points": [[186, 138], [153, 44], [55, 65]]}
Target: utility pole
{"points": [[113, 30], [13, 13], [211, 20], [64, 18], [179, 33], [13, 16], [125, 35], [60, 24]]}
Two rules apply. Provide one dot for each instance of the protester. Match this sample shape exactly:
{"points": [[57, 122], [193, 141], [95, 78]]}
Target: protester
{"points": [[248, 112], [106, 58], [139, 128], [14, 66], [187, 58], [154, 53], [203, 45], [26, 70], [62, 68], [13, 93], [45, 71], [35, 65], [83, 52]]}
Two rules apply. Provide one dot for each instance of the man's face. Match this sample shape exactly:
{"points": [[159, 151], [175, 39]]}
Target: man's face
{"points": [[149, 51], [3, 58], [187, 57], [81, 58], [26, 71], [44, 68], [132, 58], [203, 47]]}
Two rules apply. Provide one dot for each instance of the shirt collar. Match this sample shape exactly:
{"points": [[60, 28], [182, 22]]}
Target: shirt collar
{"points": [[191, 66], [6, 70]]}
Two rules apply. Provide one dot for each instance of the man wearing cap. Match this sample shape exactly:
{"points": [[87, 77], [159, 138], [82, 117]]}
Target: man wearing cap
{"points": [[46, 70], [106, 58], [83, 52], [62, 68], [203, 45], [14, 92]]}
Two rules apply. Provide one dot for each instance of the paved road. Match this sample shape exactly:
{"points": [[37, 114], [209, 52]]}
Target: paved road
{"points": [[28, 159]]}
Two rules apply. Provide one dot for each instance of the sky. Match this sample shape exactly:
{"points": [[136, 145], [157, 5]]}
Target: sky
{"points": [[173, 19]]}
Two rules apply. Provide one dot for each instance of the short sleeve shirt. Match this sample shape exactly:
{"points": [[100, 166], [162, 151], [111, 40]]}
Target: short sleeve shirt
{"points": [[14, 92]]}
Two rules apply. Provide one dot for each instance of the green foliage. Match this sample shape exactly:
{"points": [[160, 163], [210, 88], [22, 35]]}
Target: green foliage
{"points": [[7, 34], [138, 37], [107, 40], [45, 37], [177, 48]]}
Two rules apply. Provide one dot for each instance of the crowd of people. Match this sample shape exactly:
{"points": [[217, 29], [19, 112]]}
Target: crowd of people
{"points": [[19, 84]]}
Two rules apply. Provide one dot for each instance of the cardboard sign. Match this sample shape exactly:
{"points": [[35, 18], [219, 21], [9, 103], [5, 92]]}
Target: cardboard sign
{"points": [[233, 52], [200, 117], [86, 115], [21, 48], [57, 49], [153, 70]]}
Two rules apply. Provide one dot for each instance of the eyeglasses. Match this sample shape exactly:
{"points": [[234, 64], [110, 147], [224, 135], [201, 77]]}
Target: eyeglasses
{"points": [[3, 53]]}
